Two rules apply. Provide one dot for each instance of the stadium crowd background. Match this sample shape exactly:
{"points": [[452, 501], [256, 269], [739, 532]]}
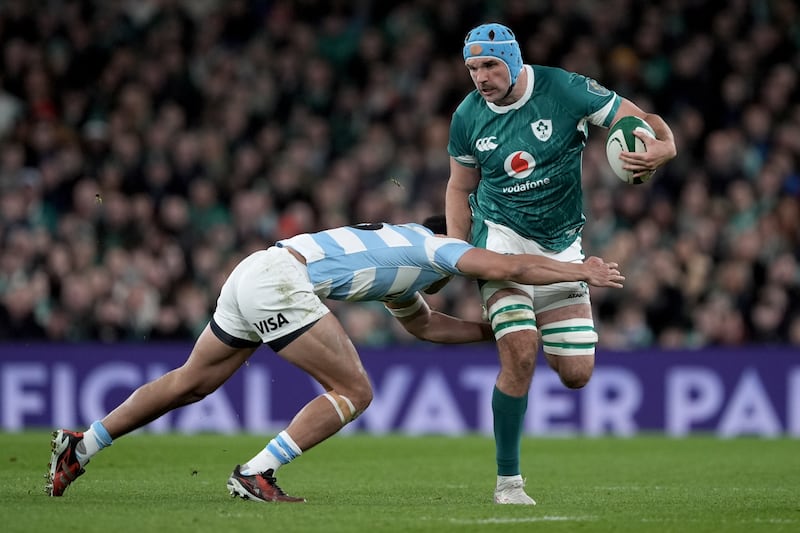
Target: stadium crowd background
{"points": [[147, 145]]}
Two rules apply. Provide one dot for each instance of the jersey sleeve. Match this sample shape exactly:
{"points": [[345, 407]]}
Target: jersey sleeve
{"points": [[459, 146], [445, 252], [590, 99]]}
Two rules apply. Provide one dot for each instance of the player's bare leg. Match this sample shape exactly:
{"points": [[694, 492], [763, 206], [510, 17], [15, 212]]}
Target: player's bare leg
{"points": [[210, 364], [511, 314], [326, 353], [517, 353]]}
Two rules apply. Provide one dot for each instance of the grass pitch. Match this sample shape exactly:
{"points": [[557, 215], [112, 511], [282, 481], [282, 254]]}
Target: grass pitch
{"points": [[359, 483]]}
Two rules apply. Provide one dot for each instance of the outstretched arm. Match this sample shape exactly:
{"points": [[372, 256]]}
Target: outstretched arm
{"points": [[537, 270], [426, 324]]}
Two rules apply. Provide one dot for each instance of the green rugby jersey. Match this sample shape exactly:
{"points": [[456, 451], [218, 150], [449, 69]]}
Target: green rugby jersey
{"points": [[529, 153]]}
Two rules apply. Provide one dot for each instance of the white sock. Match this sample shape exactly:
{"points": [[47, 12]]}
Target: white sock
{"points": [[278, 452], [94, 439]]}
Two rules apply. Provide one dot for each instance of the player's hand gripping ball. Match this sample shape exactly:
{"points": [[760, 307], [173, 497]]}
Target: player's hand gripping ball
{"points": [[621, 139]]}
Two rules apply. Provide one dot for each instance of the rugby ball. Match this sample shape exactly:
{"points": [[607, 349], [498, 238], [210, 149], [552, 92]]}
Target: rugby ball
{"points": [[621, 139]]}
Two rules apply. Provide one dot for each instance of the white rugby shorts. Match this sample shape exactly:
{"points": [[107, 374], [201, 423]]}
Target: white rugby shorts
{"points": [[268, 298], [545, 297]]}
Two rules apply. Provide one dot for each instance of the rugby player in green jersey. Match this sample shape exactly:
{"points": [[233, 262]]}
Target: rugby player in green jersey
{"points": [[515, 187]]}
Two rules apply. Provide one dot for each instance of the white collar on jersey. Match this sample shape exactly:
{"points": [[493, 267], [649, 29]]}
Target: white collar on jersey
{"points": [[502, 109]]}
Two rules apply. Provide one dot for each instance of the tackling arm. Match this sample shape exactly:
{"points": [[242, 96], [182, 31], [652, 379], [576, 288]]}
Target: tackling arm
{"points": [[537, 270], [426, 324]]}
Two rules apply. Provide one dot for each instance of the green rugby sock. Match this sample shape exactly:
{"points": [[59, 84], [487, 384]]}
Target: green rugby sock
{"points": [[509, 418]]}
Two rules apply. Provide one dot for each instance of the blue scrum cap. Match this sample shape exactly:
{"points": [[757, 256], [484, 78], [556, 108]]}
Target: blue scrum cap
{"points": [[495, 40]]}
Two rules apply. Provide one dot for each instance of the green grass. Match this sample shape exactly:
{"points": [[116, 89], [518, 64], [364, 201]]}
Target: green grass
{"points": [[363, 483]]}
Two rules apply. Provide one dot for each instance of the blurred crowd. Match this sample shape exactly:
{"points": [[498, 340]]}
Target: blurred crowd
{"points": [[148, 145]]}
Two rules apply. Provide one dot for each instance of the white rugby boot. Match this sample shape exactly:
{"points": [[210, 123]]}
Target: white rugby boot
{"points": [[511, 490]]}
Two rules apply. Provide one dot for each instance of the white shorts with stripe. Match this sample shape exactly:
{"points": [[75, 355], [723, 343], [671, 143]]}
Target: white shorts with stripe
{"points": [[545, 297], [268, 298]]}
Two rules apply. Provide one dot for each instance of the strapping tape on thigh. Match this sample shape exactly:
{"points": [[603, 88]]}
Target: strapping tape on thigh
{"points": [[574, 336], [511, 313]]}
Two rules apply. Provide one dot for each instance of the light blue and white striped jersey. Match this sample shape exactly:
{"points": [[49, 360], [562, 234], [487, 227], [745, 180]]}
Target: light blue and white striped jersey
{"points": [[376, 262]]}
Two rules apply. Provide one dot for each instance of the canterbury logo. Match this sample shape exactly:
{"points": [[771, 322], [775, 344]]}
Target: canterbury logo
{"points": [[485, 144]]}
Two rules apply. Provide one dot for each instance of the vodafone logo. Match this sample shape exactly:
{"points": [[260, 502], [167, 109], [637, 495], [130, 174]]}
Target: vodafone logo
{"points": [[519, 165]]}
